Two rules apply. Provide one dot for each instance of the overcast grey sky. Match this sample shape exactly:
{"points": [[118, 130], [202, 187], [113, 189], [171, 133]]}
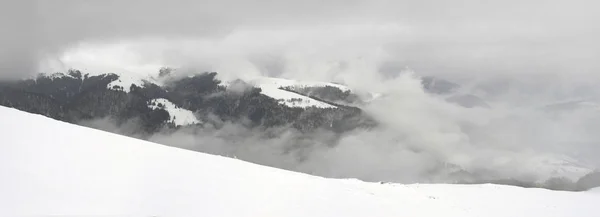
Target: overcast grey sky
{"points": [[467, 37]]}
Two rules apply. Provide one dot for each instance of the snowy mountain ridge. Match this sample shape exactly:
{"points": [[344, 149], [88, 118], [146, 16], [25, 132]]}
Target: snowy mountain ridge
{"points": [[272, 87], [74, 96]]}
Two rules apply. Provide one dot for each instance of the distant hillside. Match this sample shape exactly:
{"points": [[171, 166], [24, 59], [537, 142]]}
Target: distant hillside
{"points": [[76, 96]]}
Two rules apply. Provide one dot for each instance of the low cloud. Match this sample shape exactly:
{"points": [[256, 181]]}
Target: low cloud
{"points": [[420, 138]]}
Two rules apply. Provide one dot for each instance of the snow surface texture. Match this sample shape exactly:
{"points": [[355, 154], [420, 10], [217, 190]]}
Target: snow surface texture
{"points": [[90, 172], [270, 87], [179, 116]]}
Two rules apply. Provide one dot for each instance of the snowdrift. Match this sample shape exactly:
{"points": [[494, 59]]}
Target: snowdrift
{"points": [[54, 168]]}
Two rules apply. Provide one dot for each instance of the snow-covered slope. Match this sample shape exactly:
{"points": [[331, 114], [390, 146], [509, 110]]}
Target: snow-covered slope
{"points": [[270, 87], [179, 116], [292, 99], [45, 171], [281, 82]]}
